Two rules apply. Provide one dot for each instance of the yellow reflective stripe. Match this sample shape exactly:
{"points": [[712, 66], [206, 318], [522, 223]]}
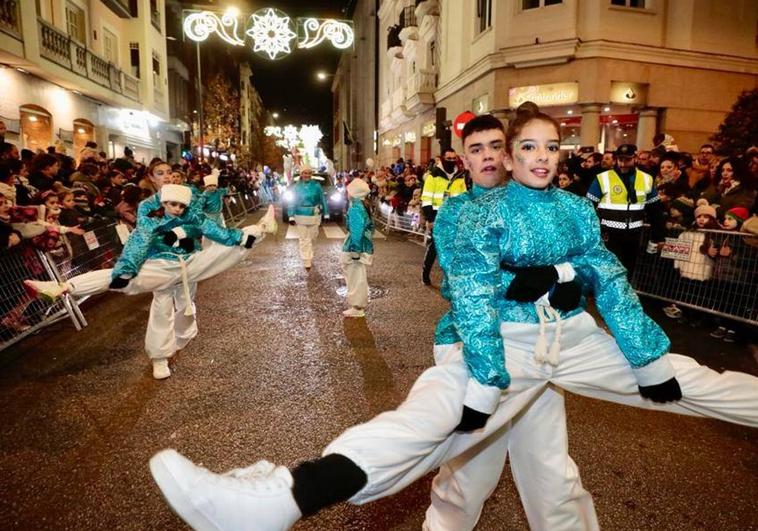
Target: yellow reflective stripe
{"points": [[605, 187]]}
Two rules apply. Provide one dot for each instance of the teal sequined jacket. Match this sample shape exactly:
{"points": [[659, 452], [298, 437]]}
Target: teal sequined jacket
{"points": [[307, 195], [444, 239], [146, 241], [527, 227], [360, 229], [214, 201]]}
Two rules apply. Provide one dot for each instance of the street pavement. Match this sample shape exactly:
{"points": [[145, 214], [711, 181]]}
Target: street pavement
{"points": [[276, 373]]}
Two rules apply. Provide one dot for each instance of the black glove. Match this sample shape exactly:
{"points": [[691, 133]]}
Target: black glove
{"points": [[566, 296], [292, 221], [119, 283], [668, 391], [249, 241], [170, 238], [471, 420], [188, 244], [530, 283]]}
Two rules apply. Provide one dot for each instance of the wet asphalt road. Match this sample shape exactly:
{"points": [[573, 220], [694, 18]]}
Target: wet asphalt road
{"points": [[276, 373]]}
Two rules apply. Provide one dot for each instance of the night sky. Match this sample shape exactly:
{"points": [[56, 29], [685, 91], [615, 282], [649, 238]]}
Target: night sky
{"points": [[289, 85]]}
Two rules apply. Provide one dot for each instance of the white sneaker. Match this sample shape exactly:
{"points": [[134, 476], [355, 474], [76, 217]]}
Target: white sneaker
{"points": [[258, 497], [268, 222], [308, 264], [354, 312], [48, 291], [160, 369]]}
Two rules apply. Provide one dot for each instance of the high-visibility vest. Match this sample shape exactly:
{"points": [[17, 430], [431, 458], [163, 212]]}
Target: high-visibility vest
{"points": [[457, 186], [615, 209], [436, 190]]}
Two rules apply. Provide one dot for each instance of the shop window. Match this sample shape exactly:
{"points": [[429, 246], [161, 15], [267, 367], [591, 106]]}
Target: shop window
{"points": [[409, 147], [36, 127], [84, 131], [76, 23], [484, 14], [534, 4], [639, 4], [426, 150]]}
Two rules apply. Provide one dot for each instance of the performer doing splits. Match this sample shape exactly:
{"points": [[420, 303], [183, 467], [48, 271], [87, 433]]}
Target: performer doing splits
{"points": [[382, 456], [163, 255]]}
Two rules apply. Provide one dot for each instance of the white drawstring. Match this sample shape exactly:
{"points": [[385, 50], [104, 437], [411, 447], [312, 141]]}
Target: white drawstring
{"points": [[185, 287], [541, 353]]}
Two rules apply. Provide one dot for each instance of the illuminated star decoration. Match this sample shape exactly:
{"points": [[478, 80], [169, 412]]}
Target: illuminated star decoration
{"points": [[271, 33]]}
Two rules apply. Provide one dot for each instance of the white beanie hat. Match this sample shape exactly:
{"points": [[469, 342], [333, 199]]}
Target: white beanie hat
{"points": [[358, 188], [212, 179], [176, 192]]}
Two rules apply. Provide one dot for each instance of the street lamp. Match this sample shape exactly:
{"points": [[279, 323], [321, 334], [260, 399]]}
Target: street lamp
{"points": [[321, 75], [275, 115]]}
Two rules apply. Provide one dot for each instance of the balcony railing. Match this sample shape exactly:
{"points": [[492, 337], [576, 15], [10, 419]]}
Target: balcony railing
{"points": [[61, 49], [422, 83], [10, 20], [408, 17]]}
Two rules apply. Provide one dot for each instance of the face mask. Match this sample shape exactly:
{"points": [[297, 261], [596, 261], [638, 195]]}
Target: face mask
{"points": [[448, 166]]}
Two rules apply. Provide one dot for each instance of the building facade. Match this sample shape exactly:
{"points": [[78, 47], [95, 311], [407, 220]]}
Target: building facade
{"points": [[85, 70], [354, 95], [610, 71]]}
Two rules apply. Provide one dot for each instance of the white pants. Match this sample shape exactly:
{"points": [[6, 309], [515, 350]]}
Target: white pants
{"points": [[398, 447], [307, 231], [355, 279], [168, 328]]}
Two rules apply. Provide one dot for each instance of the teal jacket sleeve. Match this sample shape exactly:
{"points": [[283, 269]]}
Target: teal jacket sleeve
{"points": [[444, 231], [136, 250], [357, 220], [639, 337], [473, 276]]}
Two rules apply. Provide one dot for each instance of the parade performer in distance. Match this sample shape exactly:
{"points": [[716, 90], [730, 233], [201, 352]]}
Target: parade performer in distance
{"points": [[213, 198], [307, 206], [358, 249]]}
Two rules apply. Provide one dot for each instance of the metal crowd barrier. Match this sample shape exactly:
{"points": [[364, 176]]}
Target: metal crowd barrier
{"points": [[413, 224], [237, 206], [708, 270]]}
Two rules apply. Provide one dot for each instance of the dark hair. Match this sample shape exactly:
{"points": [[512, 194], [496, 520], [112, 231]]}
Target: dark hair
{"points": [[708, 146], [27, 154], [42, 161], [89, 169], [483, 122], [527, 112], [154, 164], [597, 158], [128, 151], [448, 149], [91, 144], [738, 167], [113, 173], [6, 148], [131, 194]]}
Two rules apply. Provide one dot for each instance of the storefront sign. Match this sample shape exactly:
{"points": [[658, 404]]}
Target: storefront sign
{"points": [[410, 137], [676, 249], [628, 93], [544, 95], [397, 141], [428, 129]]}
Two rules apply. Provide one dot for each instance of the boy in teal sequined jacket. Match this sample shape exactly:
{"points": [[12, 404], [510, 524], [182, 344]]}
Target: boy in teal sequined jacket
{"points": [[358, 249]]}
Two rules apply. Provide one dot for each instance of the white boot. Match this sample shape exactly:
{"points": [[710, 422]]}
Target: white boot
{"points": [[48, 291], [308, 264], [160, 369], [258, 497]]}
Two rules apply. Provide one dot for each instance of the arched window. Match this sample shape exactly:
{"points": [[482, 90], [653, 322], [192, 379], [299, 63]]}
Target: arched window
{"points": [[36, 127], [84, 131]]}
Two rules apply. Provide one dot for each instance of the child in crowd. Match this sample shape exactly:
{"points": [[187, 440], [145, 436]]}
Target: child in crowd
{"points": [[358, 249], [69, 216], [127, 207], [414, 209]]}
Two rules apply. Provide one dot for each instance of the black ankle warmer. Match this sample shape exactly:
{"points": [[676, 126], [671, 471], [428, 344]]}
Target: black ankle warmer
{"points": [[325, 481]]}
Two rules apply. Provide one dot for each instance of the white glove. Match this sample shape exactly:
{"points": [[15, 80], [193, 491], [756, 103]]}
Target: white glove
{"points": [[652, 248]]}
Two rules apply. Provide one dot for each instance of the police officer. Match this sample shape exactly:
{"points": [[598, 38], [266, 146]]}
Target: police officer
{"points": [[441, 182], [625, 196]]}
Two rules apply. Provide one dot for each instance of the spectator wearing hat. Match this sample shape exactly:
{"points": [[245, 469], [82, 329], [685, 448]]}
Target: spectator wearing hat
{"points": [[213, 198], [625, 196]]}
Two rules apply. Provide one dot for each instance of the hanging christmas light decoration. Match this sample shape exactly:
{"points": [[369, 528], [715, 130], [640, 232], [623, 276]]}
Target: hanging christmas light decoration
{"points": [[316, 31], [271, 32], [270, 29], [199, 26]]}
